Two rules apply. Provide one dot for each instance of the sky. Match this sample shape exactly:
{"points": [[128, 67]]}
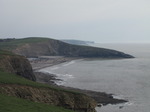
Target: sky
{"points": [[102, 21]]}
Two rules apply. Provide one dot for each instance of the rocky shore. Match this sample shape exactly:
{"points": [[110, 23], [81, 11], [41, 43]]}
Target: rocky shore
{"points": [[101, 98]]}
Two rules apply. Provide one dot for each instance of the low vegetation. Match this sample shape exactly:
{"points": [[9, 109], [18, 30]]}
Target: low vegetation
{"points": [[13, 104], [19, 87], [10, 44], [4, 53], [8, 78]]}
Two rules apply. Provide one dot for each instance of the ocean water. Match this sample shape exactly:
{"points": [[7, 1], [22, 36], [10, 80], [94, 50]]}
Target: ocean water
{"points": [[125, 78]]}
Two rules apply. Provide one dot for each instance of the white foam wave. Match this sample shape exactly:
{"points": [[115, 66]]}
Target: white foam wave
{"points": [[118, 96], [69, 63], [129, 103], [54, 68], [64, 76], [60, 82], [68, 75], [122, 97]]}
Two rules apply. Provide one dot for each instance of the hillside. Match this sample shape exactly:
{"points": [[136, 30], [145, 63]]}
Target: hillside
{"points": [[18, 87], [25, 92], [34, 47]]}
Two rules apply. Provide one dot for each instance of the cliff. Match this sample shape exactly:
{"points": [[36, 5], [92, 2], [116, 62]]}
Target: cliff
{"points": [[16, 86], [16, 64], [72, 101], [34, 47]]}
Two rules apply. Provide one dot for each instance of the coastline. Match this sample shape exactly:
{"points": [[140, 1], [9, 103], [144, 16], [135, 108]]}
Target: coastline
{"points": [[47, 61], [101, 98]]}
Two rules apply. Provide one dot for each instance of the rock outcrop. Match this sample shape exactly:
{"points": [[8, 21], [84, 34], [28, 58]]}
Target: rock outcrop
{"points": [[16, 64], [74, 101]]}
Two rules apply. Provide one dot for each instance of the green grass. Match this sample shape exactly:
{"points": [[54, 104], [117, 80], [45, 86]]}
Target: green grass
{"points": [[4, 52], [10, 45], [8, 78], [13, 104]]}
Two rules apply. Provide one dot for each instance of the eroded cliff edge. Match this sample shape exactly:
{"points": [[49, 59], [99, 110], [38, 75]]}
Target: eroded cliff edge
{"points": [[16, 64], [11, 64], [69, 100]]}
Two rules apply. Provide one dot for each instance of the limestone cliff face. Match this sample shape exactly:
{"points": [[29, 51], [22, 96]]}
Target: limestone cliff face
{"points": [[18, 65], [73, 101]]}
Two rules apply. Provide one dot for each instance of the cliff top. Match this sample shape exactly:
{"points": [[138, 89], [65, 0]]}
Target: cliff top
{"points": [[4, 52], [10, 44]]}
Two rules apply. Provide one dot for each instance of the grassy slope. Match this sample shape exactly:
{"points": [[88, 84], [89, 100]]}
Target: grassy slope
{"points": [[12, 104], [4, 53], [8, 78], [9, 45]]}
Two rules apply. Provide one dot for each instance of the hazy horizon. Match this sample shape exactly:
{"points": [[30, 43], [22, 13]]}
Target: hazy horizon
{"points": [[102, 21], [95, 42]]}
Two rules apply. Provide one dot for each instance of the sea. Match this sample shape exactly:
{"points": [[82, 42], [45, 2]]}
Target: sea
{"points": [[127, 79]]}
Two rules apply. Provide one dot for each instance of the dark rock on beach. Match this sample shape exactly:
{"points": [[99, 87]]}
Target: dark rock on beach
{"points": [[46, 78]]}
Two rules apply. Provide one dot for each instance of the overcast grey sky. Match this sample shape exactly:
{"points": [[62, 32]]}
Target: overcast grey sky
{"points": [[96, 20]]}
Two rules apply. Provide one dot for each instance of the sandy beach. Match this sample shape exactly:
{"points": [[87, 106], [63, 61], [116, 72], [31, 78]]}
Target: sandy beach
{"points": [[47, 61]]}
